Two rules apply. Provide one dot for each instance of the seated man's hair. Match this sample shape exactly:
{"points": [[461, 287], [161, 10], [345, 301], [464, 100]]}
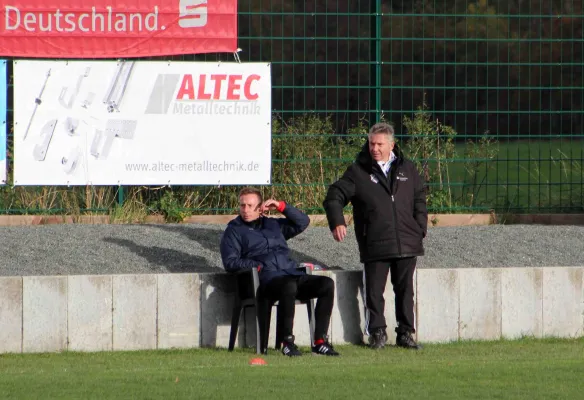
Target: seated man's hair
{"points": [[251, 190]]}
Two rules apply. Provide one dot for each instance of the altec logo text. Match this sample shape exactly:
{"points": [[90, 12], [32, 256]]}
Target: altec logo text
{"points": [[204, 94], [94, 18]]}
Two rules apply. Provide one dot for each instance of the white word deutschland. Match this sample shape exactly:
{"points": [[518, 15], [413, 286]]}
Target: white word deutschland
{"points": [[94, 21]]}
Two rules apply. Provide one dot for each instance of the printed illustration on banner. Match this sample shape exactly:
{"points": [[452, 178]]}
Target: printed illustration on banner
{"points": [[3, 110], [129, 123], [148, 27]]}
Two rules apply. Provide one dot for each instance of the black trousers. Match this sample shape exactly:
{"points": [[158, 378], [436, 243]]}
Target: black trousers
{"points": [[402, 279], [286, 289]]}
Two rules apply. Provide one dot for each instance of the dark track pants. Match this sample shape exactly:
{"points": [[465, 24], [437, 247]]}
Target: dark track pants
{"points": [[286, 289], [402, 279]]}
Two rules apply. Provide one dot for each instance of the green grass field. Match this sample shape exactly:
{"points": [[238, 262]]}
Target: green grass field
{"points": [[541, 176], [523, 369]]}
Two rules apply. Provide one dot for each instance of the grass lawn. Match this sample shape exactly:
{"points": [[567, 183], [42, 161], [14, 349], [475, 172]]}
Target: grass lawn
{"points": [[541, 176], [523, 369]]}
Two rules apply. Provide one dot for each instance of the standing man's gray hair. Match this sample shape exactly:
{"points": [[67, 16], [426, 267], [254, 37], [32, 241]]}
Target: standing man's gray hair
{"points": [[382, 128]]}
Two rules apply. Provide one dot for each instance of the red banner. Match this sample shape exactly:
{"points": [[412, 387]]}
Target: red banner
{"points": [[116, 29]]}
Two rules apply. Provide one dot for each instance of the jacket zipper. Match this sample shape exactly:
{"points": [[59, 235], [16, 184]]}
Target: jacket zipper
{"points": [[395, 225], [394, 181]]}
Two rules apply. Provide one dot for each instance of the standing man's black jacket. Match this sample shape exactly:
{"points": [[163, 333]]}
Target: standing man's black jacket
{"points": [[389, 213]]}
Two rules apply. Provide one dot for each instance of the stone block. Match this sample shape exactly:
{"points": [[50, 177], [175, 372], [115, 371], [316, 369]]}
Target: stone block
{"points": [[562, 302], [134, 312], [521, 302], [11, 315], [217, 294], [90, 312], [348, 318], [480, 303], [437, 305], [179, 305], [44, 314]]}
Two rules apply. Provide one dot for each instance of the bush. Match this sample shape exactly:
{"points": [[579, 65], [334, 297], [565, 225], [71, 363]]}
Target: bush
{"points": [[307, 156]]}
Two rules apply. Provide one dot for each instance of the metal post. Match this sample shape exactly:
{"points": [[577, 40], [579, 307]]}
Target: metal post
{"points": [[375, 57], [120, 196]]}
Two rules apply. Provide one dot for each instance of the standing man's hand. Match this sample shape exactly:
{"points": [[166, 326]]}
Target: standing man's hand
{"points": [[339, 233]]}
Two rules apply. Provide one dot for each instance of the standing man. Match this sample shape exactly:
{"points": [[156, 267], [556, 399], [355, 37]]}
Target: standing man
{"points": [[253, 240], [390, 217]]}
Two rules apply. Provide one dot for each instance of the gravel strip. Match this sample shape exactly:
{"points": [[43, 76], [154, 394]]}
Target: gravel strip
{"points": [[78, 249]]}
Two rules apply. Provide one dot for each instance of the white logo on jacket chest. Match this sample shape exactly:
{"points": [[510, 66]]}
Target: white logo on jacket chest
{"points": [[374, 179], [401, 177]]}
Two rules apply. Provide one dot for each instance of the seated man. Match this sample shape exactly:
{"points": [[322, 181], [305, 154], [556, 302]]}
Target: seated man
{"points": [[254, 240]]}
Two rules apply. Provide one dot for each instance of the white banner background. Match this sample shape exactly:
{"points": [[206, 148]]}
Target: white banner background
{"points": [[223, 139]]}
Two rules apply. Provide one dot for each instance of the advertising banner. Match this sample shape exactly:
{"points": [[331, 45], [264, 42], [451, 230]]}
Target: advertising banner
{"points": [[141, 123], [105, 29], [3, 92]]}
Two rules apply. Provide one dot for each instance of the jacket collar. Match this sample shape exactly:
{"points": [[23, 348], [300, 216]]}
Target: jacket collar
{"points": [[256, 223]]}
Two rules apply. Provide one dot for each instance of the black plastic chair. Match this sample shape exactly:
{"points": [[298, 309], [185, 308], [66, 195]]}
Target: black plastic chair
{"points": [[246, 290]]}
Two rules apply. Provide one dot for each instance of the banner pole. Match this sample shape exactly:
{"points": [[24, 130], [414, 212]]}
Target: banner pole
{"points": [[120, 196]]}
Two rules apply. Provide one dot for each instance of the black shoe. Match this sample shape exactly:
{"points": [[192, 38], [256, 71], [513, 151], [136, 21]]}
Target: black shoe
{"points": [[378, 339], [325, 349], [406, 341], [289, 348]]}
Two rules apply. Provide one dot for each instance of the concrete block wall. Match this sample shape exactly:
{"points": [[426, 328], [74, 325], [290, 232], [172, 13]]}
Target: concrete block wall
{"points": [[163, 311]]}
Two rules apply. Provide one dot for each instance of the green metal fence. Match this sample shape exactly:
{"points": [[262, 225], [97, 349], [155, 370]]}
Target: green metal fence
{"points": [[486, 96]]}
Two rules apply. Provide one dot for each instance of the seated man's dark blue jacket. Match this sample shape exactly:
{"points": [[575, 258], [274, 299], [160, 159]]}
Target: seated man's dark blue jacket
{"points": [[263, 243]]}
